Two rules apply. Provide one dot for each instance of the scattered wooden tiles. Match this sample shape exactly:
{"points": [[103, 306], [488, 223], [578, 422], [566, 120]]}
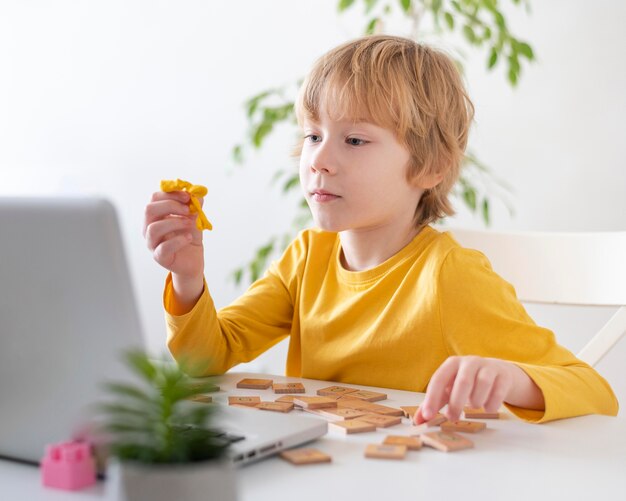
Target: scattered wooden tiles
{"points": [[383, 451], [471, 413], [335, 391], [255, 384], [381, 421], [352, 426], [288, 388], [305, 456], [315, 402], [463, 426], [446, 441], [412, 443], [249, 401], [275, 406]]}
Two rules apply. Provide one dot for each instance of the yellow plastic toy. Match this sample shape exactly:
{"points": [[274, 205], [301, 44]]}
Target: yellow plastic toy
{"points": [[195, 191]]}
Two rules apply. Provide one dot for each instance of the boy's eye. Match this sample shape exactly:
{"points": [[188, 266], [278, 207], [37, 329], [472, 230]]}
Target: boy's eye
{"points": [[312, 138], [355, 141]]}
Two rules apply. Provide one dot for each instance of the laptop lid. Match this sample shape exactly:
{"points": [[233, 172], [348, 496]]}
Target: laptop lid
{"points": [[67, 311]]}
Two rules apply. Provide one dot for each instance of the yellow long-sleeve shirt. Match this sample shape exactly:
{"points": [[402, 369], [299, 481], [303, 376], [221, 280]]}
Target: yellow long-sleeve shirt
{"points": [[390, 326]]}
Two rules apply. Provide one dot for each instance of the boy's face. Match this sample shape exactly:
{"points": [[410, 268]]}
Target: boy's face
{"points": [[354, 175]]}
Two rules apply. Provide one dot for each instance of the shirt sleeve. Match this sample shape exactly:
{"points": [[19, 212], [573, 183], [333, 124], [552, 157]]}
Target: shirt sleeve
{"points": [[481, 315], [210, 342]]}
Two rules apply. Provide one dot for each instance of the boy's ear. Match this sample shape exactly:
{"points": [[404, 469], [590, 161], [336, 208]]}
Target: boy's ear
{"points": [[428, 181]]}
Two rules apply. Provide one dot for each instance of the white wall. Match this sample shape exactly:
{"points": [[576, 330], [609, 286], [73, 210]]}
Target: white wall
{"points": [[110, 97]]}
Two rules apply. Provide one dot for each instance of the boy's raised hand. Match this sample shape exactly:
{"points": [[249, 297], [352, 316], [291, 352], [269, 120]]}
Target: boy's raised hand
{"points": [[479, 382], [172, 236]]}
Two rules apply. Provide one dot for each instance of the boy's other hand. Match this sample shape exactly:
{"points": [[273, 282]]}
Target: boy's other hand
{"points": [[479, 382], [172, 236]]}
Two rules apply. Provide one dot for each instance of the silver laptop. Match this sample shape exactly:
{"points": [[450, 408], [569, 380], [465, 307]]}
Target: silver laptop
{"points": [[67, 312]]}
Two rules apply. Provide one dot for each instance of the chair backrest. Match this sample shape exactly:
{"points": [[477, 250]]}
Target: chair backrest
{"points": [[562, 268]]}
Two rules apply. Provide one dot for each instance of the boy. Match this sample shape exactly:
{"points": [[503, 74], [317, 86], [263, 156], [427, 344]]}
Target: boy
{"points": [[376, 296]]}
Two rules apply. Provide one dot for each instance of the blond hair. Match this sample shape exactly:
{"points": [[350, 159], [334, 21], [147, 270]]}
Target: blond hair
{"points": [[409, 88]]}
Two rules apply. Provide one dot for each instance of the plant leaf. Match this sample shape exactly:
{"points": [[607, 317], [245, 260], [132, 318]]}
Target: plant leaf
{"points": [[141, 365], [344, 4], [126, 390], [485, 207], [468, 31], [526, 50], [493, 58], [370, 29]]}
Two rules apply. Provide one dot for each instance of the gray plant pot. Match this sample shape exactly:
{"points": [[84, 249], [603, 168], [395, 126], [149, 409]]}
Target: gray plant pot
{"points": [[206, 481]]}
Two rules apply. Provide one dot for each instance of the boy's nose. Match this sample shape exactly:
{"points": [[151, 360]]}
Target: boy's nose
{"points": [[319, 168], [322, 161]]}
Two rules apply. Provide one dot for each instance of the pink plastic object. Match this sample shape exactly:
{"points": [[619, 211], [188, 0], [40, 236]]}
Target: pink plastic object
{"points": [[68, 465]]}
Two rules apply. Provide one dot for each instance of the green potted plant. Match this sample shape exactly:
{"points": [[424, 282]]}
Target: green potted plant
{"points": [[161, 443]]}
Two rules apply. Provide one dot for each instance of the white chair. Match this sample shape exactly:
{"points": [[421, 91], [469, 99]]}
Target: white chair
{"points": [[562, 268]]}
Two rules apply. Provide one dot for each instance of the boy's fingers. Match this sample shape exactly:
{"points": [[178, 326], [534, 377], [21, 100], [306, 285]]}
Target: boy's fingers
{"points": [[436, 395], [497, 395], [483, 385], [157, 231], [419, 418], [181, 196], [165, 253], [155, 211], [463, 386]]}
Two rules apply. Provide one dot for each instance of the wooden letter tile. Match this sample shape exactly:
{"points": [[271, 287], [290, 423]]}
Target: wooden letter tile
{"points": [[368, 396], [315, 402], [383, 409], [341, 414], [381, 421], [288, 388], [250, 401], [412, 443], [352, 426], [286, 398], [205, 399], [352, 403], [362, 405], [275, 406], [335, 390], [463, 426], [305, 456], [446, 441], [255, 384], [383, 451]]}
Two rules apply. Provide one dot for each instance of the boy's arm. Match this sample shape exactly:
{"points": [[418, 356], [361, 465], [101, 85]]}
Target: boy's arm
{"points": [[481, 316], [211, 342]]}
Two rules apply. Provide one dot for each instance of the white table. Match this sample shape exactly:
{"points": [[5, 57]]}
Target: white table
{"points": [[581, 458]]}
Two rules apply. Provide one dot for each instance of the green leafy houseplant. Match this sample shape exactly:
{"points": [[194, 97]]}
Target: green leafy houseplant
{"points": [[480, 23], [154, 422]]}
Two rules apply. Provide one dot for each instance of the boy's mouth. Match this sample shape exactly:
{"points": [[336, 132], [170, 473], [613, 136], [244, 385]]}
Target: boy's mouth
{"points": [[322, 196]]}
